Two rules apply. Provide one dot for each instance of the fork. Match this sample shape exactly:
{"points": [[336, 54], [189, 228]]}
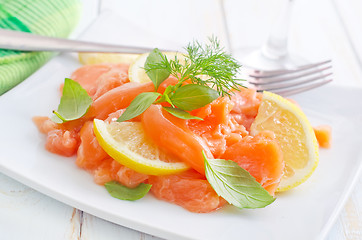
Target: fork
{"points": [[15, 40], [288, 82], [281, 81]]}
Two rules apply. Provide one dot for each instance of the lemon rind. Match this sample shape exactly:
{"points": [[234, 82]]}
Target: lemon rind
{"points": [[134, 69], [127, 157], [301, 175]]}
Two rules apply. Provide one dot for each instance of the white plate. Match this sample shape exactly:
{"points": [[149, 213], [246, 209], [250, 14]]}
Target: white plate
{"points": [[306, 212]]}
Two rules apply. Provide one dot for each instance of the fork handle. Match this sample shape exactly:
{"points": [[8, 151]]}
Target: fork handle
{"points": [[15, 40]]}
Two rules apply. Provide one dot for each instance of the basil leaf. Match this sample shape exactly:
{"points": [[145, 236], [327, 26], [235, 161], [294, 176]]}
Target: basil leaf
{"points": [[157, 75], [192, 96], [122, 192], [166, 93], [180, 113], [235, 184], [74, 102], [138, 105], [167, 99], [169, 89]]}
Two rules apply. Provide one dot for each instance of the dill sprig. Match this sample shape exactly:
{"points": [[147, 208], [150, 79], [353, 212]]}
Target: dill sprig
{"points": [[209, 69], [204, 65]]}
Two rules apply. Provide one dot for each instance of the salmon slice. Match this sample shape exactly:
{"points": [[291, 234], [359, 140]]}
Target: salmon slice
{"points": [[87, 76], [218, 128], [115, 77], [261, 156], [45, 125], [323, 134], [110, 170], [174, 138], [246, 106], [115, 115], [129, 177], [121, 97], [189, 190], [96, 79], [90, 154], [112, 117], [117, 98], [62, 142], [103, 173]]}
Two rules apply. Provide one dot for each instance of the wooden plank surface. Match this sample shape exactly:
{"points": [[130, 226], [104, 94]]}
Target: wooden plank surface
{"points": [[320, 29], [27, 214]]}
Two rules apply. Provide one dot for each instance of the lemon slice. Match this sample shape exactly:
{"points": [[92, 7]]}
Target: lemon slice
{"points": [[294, 134], [127, 144], [97, 58], [137, 73]]}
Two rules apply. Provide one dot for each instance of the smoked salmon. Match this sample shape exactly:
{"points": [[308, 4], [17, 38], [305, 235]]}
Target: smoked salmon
{"points": [[223, 133]]}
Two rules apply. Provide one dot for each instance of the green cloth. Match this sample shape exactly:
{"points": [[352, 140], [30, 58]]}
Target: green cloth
{"points": [[55, 18]]}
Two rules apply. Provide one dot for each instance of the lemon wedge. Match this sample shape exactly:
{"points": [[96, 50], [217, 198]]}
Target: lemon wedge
{"points": [[126, 143], [294, 134], [97, 58], [137, 73]]}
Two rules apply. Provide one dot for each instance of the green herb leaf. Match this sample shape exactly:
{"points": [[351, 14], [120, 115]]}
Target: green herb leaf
{"points": [[74, 102], [169, 89], [211, 71], [157, 76], [235, 184], [119, 191], [166, 93], [138, 105], [180, 113], [167, 99], [204, 65], [192, 96]]}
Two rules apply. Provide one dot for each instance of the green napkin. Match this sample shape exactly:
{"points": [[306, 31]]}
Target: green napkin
{"points": [[55, 18]]}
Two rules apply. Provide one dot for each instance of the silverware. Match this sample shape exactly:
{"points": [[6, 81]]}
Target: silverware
{"points": [[23, 41], [283, 82], [287, 82]]}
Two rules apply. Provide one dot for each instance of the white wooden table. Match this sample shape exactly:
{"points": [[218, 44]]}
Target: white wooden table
{"points": [[320, 29]]}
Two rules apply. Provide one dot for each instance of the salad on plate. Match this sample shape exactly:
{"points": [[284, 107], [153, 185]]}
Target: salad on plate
{"points": [[183, 127]]}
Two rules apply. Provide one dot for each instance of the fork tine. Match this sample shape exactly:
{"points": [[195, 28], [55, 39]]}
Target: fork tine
{"points": [[288, 84], [274, 73], [300, 89], [304, 88], [292, 77]]}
